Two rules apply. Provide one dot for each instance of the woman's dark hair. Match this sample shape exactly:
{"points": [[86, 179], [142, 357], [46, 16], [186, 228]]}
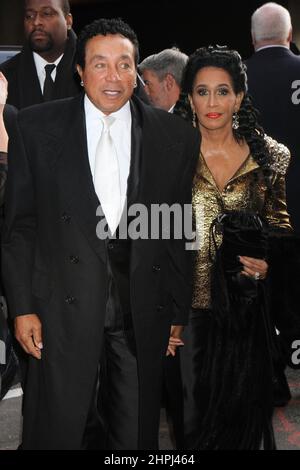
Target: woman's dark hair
{"points": [[229, 60], [105, 26]]}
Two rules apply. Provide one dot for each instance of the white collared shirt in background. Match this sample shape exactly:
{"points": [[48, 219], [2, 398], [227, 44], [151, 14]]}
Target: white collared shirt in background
{"points": [[40, 68]]}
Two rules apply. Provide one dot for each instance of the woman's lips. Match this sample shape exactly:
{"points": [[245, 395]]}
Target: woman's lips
{"points": [[213, 115]]}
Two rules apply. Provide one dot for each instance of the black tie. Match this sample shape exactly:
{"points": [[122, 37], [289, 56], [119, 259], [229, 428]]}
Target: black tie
{"points": [[48, 92]]}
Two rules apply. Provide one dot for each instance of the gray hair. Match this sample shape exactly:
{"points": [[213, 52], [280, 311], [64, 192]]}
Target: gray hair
{"points": [[171, 61], [271, 22]]}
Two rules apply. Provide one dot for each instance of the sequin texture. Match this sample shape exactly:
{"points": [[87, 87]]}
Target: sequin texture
{"points": [[246, 190]]}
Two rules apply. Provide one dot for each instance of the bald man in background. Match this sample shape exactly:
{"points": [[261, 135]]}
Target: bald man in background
{"points": [[274, 84]]}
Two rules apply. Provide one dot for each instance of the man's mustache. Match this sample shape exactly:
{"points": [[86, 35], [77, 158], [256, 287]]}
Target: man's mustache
{"points": [[39, 31]]}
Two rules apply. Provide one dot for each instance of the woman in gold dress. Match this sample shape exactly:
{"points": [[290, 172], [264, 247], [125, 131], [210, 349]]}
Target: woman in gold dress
{"points": [[226, 368]]}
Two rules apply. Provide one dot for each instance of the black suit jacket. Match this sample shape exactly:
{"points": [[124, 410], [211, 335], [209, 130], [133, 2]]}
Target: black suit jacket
{"points": [[50, 217], [23, 84], [274, 84], [9, 117]]}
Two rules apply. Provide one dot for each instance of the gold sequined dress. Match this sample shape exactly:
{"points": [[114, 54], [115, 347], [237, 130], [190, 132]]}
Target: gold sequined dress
{"points": [[227, 376], [246, 190]]}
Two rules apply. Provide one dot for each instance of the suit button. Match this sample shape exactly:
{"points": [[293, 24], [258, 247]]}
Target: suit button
{"points": [[156, 268], [74, 259], [110, 246], [66, 218], [70, 300], [159, 308]]}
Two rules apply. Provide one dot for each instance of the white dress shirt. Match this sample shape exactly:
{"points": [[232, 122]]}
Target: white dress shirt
{"points": [[120, 132], [40, 68]]}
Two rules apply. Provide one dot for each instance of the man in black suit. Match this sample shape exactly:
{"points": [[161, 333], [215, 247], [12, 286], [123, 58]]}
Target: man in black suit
{"points": [[80, 301], [50, 43], [274, 84]]}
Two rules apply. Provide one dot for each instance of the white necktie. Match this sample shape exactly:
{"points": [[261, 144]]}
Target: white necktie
{"points": [[107, 176]]}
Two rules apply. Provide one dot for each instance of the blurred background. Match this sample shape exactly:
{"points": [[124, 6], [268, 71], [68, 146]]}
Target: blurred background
{"points": [[159, 24]]}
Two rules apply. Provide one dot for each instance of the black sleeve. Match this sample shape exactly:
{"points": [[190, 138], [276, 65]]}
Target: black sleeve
{"points": [[182, 261], [19, 228]]}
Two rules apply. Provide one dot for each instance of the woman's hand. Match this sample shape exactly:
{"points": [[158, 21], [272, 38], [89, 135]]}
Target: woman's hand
{"points": [[174, 340], [254, 267], [3, 89]]}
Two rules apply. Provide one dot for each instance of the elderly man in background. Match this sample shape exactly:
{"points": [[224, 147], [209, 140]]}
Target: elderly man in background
{"points": [[274, 84], [162, 74]]}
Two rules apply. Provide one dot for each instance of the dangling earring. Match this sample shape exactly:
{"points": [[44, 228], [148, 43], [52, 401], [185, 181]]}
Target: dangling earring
{"points": [[194, 119], [134, 85], [235, 121], [81, 83]]}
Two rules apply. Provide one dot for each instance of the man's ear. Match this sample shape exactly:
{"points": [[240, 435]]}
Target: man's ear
{"points": [[79, 70], [69, 20], [170, 80], [254, 43]]}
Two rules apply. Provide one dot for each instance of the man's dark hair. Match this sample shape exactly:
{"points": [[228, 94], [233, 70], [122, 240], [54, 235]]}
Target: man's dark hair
{"points": [[105, 26], [65, 6]]}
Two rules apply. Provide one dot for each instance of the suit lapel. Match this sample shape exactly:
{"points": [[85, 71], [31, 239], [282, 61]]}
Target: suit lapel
{"points": [[28, 83], [67, 82], [158, 147], [75, 179], [136, 153], [156, 150]]}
